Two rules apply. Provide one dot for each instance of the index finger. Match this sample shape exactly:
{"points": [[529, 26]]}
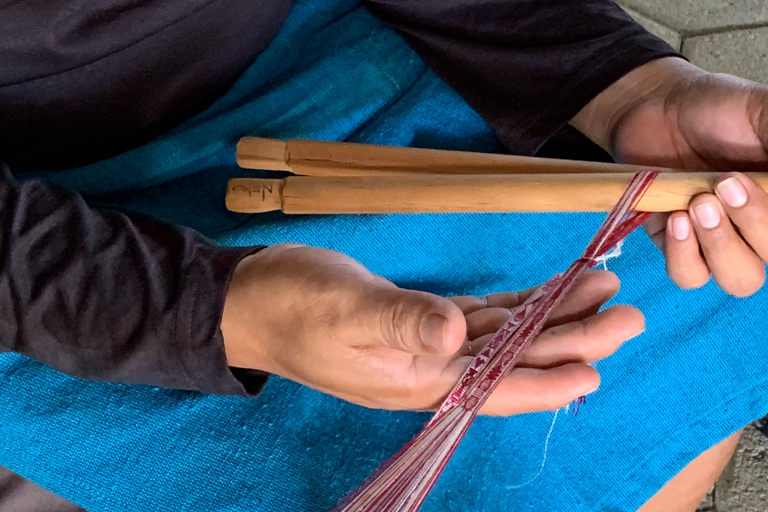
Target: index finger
{"points": [[585, 298], [747, 206]]}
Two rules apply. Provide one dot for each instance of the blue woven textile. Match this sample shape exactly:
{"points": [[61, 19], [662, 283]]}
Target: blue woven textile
{"points": [[333, 72]]}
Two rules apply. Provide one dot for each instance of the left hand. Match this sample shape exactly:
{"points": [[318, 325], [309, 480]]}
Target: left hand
{"points": [[670, 113], [321, 319]]}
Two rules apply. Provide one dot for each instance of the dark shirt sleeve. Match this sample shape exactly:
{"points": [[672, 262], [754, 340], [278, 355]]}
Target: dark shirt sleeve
{"points": [[527, 66], [110, 297]]}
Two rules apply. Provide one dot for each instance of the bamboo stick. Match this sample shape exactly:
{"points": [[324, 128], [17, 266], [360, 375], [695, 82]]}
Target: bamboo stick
{"points": [[464, 193], [320, 158]]}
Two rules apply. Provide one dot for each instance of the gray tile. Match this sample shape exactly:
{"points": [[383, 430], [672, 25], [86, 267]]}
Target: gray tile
{"points": [[740, 52], [708, 505], [744, 485], [702, 15], [664, 32]]}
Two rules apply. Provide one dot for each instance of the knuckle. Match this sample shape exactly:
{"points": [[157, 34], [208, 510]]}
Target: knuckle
{"points": [[393, 323], [752, 216], [754, 227], [468, 303], [717, 239], [330, 321], [583, 329], [486, 320], [577, 329]]}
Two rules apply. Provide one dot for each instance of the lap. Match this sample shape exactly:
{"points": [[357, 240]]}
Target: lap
{"points": [[697, 375], [694, 377]]}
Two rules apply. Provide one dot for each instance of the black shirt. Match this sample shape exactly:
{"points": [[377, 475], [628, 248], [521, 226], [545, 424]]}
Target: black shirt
{"points": [[109, 74]]}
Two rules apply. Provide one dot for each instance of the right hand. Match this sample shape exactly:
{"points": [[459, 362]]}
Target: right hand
{"points": [[670, 113], [319, 318]]}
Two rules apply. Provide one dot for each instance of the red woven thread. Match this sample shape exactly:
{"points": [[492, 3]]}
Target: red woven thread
{"points": [[401, 484]]}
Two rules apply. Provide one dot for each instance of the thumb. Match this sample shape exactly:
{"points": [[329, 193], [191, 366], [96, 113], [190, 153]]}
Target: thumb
{"points": [[416, 322]]}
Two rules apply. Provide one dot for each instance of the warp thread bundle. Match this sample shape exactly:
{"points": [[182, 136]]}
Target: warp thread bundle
{"points": [[403, 482]]}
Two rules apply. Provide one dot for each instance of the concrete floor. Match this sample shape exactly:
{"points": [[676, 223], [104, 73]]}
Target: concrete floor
{"points": [[727, 36]]}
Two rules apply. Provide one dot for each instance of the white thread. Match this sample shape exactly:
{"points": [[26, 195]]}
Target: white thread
{"points": [[544, 460], [613, 253]]}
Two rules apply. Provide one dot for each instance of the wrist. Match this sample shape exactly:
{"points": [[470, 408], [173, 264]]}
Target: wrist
{"points": [[237, 322], [650, 83]]}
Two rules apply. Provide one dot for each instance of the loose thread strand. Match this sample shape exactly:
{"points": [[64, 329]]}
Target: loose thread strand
{"points": [[544, 459]]}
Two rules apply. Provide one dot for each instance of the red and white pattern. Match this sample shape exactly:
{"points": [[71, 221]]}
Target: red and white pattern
{"points": [[402, 483]]}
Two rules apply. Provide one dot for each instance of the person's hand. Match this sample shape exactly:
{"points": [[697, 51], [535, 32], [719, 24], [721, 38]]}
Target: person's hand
{"points": [[672, 114], [319, 318]]}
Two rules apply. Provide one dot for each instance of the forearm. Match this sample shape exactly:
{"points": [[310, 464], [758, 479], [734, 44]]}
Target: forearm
{"points": [[109, 297], [528, 67]]}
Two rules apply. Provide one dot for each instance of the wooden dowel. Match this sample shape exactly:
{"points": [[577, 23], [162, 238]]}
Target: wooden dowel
{"points": [[454, 194], [319, 158]]}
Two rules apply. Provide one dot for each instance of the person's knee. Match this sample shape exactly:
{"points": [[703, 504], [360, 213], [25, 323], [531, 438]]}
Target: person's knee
{"points": [[685, 491]]}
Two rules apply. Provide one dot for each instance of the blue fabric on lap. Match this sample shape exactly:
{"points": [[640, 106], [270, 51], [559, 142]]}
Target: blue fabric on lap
{"points": [[699, 372]]}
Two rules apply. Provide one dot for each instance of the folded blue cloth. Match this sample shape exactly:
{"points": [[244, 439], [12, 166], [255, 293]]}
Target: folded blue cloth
{"points": [[333, 72]]}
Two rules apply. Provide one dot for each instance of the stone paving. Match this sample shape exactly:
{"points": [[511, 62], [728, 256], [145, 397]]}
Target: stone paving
{"points": [[726, 36]]}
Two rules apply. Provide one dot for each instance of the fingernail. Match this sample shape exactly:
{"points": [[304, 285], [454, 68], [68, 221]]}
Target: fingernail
{"points": [[732, 192], [708, 215], [681, 228], [432, 332]]}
